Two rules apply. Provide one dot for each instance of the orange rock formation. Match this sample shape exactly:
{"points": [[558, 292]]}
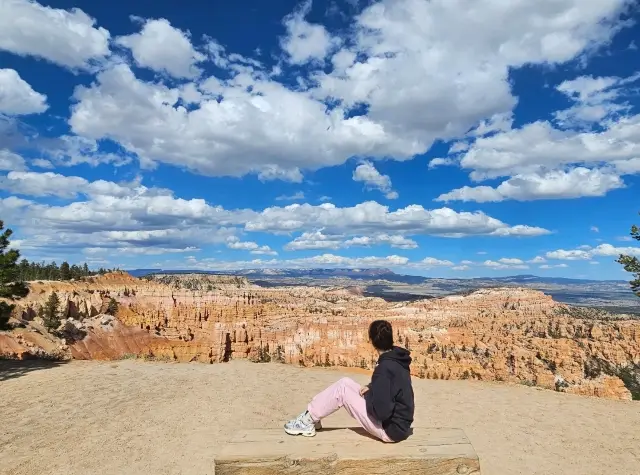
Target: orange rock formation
{"points": [[507, 334]]}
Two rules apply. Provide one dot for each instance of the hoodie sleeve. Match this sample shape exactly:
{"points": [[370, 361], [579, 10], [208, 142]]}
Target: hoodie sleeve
{"points": [[379, 399]]}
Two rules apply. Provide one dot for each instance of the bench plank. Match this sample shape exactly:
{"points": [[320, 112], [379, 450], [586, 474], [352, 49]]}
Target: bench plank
{"points": [[347, 452]]}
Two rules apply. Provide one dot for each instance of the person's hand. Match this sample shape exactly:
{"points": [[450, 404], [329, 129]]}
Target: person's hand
{"points": [[363, 390]]}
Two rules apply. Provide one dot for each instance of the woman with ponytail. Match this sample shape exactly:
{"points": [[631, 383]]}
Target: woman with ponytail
{"points": [[384, 407]]}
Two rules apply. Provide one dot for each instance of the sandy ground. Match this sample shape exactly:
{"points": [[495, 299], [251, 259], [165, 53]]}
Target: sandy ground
{"points": [[131, 417]]}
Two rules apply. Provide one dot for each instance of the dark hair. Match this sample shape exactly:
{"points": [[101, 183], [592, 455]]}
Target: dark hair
{"points": [[381, 335]]}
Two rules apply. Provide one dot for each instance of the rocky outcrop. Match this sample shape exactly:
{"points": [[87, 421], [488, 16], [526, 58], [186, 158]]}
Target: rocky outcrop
{"points": [[510, 334]]}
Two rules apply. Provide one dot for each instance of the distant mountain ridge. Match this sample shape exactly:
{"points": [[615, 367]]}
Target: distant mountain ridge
{"points": [[369, 274]]}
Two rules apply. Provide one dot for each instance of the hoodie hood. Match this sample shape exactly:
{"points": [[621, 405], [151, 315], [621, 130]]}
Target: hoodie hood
{"points": [[399, 355]]}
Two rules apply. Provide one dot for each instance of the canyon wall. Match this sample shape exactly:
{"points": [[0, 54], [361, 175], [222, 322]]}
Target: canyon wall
{"points": [[513, 335]]}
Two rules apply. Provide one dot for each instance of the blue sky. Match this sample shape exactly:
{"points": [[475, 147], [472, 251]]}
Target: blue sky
{"points": [[442, 138]]}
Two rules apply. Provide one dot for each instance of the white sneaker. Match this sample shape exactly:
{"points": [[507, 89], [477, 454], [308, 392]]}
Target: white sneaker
{"points": [[302, 425]]}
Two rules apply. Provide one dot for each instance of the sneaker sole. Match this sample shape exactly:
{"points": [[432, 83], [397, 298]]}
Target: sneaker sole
{"points": [[299, 432]]}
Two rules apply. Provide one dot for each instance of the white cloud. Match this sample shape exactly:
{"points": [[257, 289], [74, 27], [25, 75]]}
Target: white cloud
{"points": [[259, 127], [397, 241], [10, 161], [297, 196], [161, 47], [116, 215], [313, 240], [511, 261], [595, 99], [318, 240], [234, 242], [594, 263], [437, 162], [556, 266], [433, 262], [371, 217], [17, 97], [505, 264], [67, 38], [557, 184], [537, 260], [394, 67], [624, 238], [571, 255], [42, 184], [42, 163], [372, 178], [323, 260], [588, 252], [274, 172], [71, 150], [304, 41], [594, 229], [414, 48]]}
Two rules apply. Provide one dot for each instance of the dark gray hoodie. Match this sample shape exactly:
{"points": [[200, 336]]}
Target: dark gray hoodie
{"points": [[390, 396]]}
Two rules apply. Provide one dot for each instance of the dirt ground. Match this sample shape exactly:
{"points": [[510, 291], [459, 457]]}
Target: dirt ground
{"points": [[131, 417]]}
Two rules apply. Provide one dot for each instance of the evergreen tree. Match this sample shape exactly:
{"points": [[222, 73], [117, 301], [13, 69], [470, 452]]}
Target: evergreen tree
{"points": [[65, 271], [51, 314], [632, 264], [112, 308], [11, 286]]}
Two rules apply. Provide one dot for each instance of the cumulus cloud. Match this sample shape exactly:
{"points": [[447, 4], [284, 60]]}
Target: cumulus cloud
{"points": [[388, 86], [10, 161], [433, 262], [65, 37], [161, 47], [372, 178], [537, 260], [587, 252], [557, 184], [371, 217], [397, 241], [318, 240], [305, 41], [323, 260], [595, 97], [314, 240], [594, 144], [505, 264], [17, 97], [274, 172], [233, 242], [260, 127], [106, 212]]}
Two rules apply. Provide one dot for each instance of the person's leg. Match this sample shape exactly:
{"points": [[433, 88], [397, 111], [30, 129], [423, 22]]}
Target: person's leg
{"points": [[346, 393]]}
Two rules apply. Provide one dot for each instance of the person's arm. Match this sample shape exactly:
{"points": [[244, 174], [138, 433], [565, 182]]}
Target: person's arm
{"points": [[379, 399]]}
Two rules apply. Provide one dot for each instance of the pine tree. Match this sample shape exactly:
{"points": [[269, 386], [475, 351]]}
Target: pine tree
{"points": [[632, 264], [11, 286], [51, 315], [65, 271], [112, 308]]}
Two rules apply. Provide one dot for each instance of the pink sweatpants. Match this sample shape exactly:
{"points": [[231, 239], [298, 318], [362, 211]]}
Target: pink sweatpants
{"points": [[346, 393]]}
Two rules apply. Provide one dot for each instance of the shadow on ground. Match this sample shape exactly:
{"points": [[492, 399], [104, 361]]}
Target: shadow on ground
{"points": [[10, 369]]}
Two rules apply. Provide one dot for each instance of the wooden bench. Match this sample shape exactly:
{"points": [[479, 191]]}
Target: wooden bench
{"points": [[347, 452]]}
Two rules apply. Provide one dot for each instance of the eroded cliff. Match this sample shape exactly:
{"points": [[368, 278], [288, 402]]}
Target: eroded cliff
{"points": [[514, 335]]}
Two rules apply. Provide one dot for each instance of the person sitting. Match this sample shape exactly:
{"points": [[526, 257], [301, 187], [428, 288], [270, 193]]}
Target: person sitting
{"points": [[384, 407]]}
